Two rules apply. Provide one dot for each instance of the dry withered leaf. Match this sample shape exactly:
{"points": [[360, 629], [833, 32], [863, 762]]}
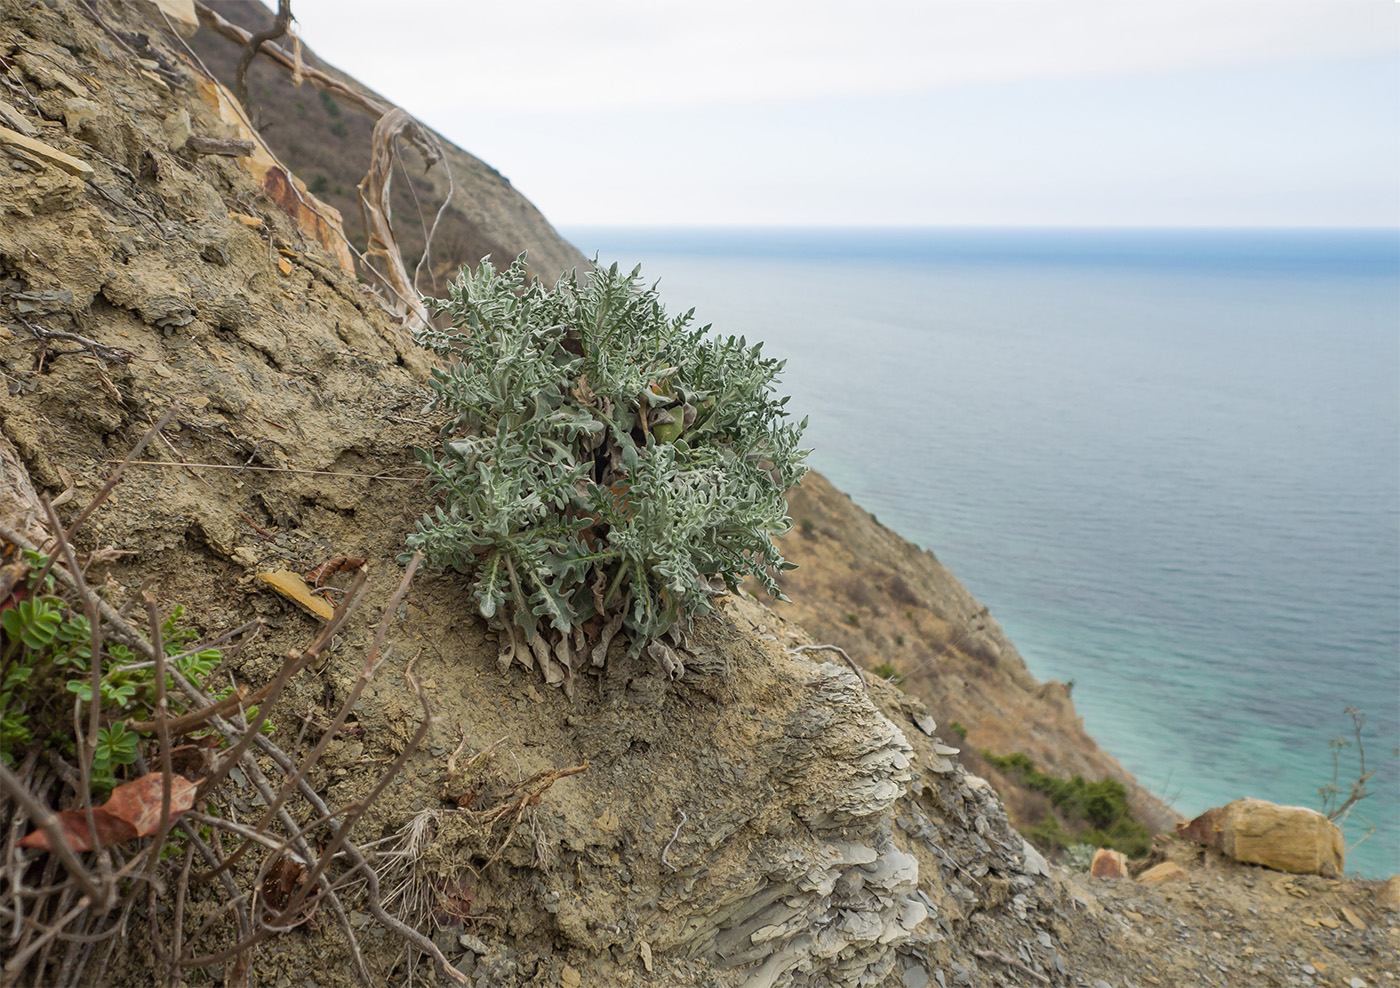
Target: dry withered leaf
{"points": [[132, 811], [281, 880], [340, 564], [12, 588], [455, 900]]}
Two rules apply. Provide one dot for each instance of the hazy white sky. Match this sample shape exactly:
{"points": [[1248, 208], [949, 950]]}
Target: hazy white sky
{"points": [[939, 112]]}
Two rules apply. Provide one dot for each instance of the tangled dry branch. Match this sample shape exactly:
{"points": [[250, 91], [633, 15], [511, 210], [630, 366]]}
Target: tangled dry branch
{"points": [[64, 913]]}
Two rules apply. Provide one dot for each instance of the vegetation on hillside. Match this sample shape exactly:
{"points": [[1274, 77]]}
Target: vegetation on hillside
{"points": [[1081, 812], [606, 467]]}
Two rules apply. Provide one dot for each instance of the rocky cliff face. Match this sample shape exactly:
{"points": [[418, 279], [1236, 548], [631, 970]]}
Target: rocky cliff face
{"points": [[859, 585], [766, 819]]}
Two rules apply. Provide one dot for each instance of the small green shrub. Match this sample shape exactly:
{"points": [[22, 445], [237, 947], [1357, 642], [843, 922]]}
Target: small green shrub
{"points": [[603, 461], [1078, 857], [1099, 810], [1048, 835], [853, 620], [46, 653], [885, 670], [959, 730]]}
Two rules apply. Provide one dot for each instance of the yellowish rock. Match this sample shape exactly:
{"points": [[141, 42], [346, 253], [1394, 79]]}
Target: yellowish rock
{"points": [[1108, 864], [292, 586], [1167, 871], [46, 153], [1388, 895], [1287, 838], [570, 978], [179, 13]]}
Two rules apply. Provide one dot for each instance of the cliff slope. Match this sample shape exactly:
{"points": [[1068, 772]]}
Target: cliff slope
{"points": [[765, 819], [328, 144], [859, 585]]}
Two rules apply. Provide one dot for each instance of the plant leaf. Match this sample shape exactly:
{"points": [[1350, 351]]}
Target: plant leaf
{"points": [[132, 811]]}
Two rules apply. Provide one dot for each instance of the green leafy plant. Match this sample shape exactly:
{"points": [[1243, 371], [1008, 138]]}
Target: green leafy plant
{"points": [[606, 467], [46, 654], [1097, 812]]}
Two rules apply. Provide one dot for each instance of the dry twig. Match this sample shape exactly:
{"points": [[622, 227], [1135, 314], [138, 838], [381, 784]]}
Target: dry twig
{"points": [[250, 50], [992, 955]]}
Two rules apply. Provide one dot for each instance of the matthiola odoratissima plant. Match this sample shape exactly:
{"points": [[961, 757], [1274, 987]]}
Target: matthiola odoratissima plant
{"points": [[606, 468]]}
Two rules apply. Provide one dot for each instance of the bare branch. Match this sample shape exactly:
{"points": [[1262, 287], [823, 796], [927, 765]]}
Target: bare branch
{"points": [[250, 50]]}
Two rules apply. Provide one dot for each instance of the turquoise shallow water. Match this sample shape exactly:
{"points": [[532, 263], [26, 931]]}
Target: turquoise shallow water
{"points": [[1168, 461]]}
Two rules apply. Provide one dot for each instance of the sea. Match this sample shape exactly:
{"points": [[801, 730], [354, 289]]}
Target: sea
{"points": [[1167, 460]]}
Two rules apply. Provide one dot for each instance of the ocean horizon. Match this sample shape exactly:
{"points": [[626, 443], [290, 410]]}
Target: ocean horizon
{"points": [[1167, 460]]}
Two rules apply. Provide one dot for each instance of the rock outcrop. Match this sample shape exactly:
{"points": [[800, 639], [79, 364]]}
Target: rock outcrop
{"points": [[1108, 864], [1285, 838]]}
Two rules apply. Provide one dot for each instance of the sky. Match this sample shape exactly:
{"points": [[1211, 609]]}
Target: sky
{"points": [[903, 112]]}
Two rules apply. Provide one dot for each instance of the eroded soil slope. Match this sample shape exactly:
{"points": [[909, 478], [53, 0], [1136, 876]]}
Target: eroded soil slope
{"points": [[765, 819]]}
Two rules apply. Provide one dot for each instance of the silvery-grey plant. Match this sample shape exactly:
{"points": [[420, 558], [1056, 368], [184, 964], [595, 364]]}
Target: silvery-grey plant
{"points": [[606, 467]]}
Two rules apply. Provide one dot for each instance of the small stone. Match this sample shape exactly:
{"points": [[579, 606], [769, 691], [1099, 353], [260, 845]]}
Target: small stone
{"points": [[1331, 922], [474, 944], [1165, 872], [570, 978], [1035, 863], [1355, 920], [177, 129], [1109, 864], [1388, 895], [1355, 983], [1309, 969], [77, 112]]}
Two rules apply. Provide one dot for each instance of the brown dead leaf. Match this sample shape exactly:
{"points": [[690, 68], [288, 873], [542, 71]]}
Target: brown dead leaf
{"points": [[132, 811], [12, 588], [281, 880], [455, 900]]}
